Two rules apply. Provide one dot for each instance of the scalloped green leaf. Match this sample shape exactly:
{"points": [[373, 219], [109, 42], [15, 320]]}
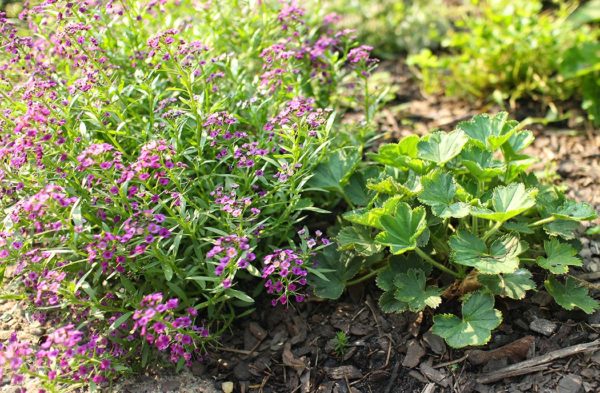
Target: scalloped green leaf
{"points": [[358, 239], [481, 163], [563, 228], [559, 256], [412, 289], [337, 269], [501, 257], [401, 155], [335, 172], [489, 132], [410, 188], [440, 147], [389, 304], [371, 217], [575, 211], [507, 202], [475, 326], [439, 191], [570, 295], [512, 285], [402, 230]]}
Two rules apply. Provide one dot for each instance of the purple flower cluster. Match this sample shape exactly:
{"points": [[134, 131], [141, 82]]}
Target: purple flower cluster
{"points": [[138, 233], [156, 323], [233, 252], [285, 277], [231, 204], [62, 355]]}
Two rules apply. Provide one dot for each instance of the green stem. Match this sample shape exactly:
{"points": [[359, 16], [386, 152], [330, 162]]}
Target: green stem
{"points": [[365, 277], [492, 230], [435, 263], [542, 221]]}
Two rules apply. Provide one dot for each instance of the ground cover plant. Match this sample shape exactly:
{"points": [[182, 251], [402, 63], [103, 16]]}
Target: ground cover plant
{"points": [[511, 51], [456, 214], [156, 159]]}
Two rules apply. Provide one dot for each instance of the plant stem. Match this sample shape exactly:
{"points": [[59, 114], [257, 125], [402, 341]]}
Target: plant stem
{"points": [[492, 230], [435, 263], [542, 221], [365, 277]]}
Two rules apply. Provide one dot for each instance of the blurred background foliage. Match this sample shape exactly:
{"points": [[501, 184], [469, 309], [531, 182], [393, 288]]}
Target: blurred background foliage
{"points": [[507, 52]]}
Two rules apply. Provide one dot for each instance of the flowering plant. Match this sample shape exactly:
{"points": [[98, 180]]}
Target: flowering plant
{"points": [[149, 179]]}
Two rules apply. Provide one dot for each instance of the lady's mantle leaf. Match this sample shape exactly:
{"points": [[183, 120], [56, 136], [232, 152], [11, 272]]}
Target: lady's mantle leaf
{"points": [[402, 229], [358, 239], [501, 257], [478, 320], [338, 268], [335, 172], [489, 132], [371, 217], [575, 211], [389, 304], [438, 192], [481, 163], [512, 285], [401, 155], [570, 295], [412, 289], [559, 257], [441, 147], [507, 202]]}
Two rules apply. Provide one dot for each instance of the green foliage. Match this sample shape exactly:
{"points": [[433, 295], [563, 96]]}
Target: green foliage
{"points": [[479, 318], [458, 210], [511, 50], [341, 344], [570, 295]]}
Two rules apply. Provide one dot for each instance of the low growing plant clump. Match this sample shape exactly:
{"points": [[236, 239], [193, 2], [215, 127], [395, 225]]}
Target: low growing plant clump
{"points": [[513, 50], [456, 214], [155, 161]]}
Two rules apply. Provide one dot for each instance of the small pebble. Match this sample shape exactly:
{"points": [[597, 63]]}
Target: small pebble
{"points": [[543, 326]]}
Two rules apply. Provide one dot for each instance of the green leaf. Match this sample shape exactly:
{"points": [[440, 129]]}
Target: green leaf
{"points": [[518, 142], [501, 257], [337, 268], [119, 321], [439, 190], [512, 285], [489, 132], [440, 147], [412, 289], [575, 211], [481, 163], [563, 228], [389, 185], [475, 327], [593, 230], [371, 217], [570, 295], [389, 304], [402, 230], [335, 172], [559, 257], [358, 239], [520, 226], [401, 155], [507, 202], [239, 295]]}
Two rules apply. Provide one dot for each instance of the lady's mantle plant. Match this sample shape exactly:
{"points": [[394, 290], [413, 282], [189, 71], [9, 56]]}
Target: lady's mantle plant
{"points": [[459, 215], [154, 160]]}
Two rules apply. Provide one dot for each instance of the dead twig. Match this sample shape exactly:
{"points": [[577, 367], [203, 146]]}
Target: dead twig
{"points": [[451, 362], [537, 363]]}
